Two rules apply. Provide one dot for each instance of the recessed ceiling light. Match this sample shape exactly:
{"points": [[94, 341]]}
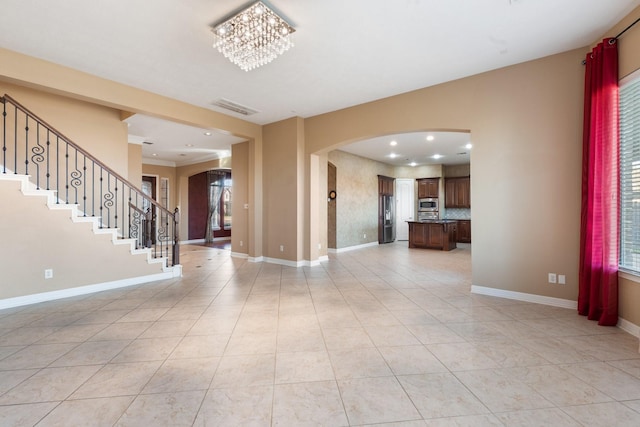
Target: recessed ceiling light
{"points": [[430, 138], [436, 156], [393, 155], [468, 146], [207, 133], [189, 145], [412, 164], [154, 154], [393, 143]]}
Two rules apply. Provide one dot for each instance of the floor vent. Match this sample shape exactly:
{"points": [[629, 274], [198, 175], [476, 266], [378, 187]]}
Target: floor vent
{"points": [[235, 107]]}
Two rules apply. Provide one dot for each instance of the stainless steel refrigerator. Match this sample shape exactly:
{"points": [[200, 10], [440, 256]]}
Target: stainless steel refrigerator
{"points": [[387, 219]]}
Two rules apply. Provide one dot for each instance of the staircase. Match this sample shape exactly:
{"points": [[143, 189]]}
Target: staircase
{"points": [[51, 169]]}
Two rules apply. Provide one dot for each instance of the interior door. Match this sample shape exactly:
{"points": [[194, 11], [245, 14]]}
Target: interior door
{"points": [[405, 207]]}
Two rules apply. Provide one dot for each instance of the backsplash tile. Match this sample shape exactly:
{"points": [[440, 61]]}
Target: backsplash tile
{"points": [[456, 213]]}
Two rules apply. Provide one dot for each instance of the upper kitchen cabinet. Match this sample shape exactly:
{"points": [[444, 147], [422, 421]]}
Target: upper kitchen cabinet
{"points": [[428, 188], [457, 192], [385, 185]]}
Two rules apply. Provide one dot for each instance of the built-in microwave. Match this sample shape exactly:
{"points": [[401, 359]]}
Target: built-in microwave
{"points": [[428, 205]]}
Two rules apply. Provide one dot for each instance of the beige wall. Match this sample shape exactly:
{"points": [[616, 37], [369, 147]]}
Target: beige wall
{"points": [[35, 238], [240, 236], [94, 128], [283, 179], [134, 174], [357, 198], [526, 130], [456, 170]]}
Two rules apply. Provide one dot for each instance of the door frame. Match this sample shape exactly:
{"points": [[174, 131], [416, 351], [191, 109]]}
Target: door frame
{"points": [[401, 223]]}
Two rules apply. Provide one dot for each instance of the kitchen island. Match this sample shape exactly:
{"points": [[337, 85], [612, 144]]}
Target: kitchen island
{"points": [[433, 234]]}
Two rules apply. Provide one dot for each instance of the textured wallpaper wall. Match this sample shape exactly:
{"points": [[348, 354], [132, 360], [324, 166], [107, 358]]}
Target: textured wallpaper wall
{"points": [[357, 198]]}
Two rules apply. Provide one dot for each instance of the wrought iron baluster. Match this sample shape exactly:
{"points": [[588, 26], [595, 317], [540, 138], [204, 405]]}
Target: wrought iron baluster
{"points": [[76, 177], [48, 157], [101, 213], [57, 169], [115, 198], [4, 136], [26, 145], [107, 199], [93, 188], [15, 143], [66, 172], [84, 188]]}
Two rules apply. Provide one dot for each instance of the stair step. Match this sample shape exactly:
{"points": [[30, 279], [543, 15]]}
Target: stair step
{"points": [[53, 203]]}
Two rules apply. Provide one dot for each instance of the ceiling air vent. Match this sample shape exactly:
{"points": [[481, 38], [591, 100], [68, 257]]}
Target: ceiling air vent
{"points": [[147, 142], [235, 107]]}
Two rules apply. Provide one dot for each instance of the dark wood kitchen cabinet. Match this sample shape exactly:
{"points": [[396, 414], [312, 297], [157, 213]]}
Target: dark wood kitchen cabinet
{"points": [[385, 185], [428, 188], [457, 192], [464, 231], [437, 234]]}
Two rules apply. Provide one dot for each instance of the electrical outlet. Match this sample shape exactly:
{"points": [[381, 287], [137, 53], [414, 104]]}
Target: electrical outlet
{"points": [[319, 245], [281, 248], [48, 273], [364, 236], [562, 279], [241, 243], [553, 278]]}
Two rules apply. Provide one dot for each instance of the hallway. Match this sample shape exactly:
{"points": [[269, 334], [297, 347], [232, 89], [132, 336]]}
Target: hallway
{"points": [[379, 335]]}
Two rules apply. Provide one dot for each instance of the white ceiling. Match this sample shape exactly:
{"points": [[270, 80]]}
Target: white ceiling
{"points": [[346, 52], [449, 147]]}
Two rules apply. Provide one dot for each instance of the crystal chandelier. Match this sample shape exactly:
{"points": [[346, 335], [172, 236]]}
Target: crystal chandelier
{"points": [[253, 37]]}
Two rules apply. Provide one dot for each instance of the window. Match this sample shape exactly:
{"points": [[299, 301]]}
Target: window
{"points": [[630, 175]]}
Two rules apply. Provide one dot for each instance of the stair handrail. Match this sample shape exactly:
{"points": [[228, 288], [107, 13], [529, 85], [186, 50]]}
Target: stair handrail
{"points": [[173, 215]]}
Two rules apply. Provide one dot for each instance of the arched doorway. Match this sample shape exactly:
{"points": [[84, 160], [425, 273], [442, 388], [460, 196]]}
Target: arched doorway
{"points": [[210, 197]]}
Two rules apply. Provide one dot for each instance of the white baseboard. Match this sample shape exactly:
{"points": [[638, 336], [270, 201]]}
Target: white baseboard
{"points": [[623, 324], [239, 255], [286, 262], [191, 242], [629, 327], [352, 248], [520, 296], [88, 289]]}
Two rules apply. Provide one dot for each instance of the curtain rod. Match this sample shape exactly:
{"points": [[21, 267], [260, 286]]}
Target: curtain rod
{"points": [[614, 39], [625, 30]]}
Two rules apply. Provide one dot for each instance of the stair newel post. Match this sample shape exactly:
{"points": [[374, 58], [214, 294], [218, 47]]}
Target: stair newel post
{"points": [[15, 143], [176, 244], [4, 135]]}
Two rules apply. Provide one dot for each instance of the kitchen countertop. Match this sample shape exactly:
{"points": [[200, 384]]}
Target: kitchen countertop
{"points": [[436, 221]]}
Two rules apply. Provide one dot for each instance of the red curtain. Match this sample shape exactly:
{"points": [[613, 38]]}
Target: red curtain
{"points": [[599, 225]]}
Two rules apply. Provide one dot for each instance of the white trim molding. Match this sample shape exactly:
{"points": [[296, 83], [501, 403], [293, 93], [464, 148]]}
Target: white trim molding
{"points": [[352, 248], [520, 296], [629, 327], [623, 324], [239, 255], [88, 289]]}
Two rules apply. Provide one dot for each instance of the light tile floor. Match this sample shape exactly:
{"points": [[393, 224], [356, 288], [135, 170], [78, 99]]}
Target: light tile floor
{"points": [[373, 336]]}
